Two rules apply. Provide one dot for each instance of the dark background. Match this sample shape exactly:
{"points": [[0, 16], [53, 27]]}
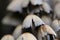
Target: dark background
{"points": [[3, 28]]}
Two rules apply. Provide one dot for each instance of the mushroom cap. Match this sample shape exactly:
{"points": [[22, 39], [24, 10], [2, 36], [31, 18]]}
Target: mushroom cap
{"points": [[7, 37], [28, 21], [15, 5], [7, 20], [50, 30], [47, 7], [55, 25], [26, 36], [17, 31], [46, 29]]}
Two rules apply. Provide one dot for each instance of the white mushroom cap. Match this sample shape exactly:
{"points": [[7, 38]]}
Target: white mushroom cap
{"points": [[26, 36], [7, 37], [17, 31], [28, 21], [55, 25], [7, 20], [47, 7], [15, 5]]}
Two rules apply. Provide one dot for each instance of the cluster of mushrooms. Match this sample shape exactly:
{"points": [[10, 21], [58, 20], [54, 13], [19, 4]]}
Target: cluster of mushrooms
{"points": [[33, 20]]}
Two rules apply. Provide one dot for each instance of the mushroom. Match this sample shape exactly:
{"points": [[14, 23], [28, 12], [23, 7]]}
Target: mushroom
{"points": [[47, 7], [31, 22], [17, 5], [8, 20], [28, 20], [7, 37], [27, 36], [46, 31], [17, 31], [56, 27]]}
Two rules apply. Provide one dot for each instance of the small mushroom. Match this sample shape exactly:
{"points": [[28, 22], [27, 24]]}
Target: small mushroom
{"points": [[8, 20], [27, 36], [47, 7], [7, 37], [28, 20], [17, 5], [31, 22], [45, 32], [56, 27], [17, 31]]}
